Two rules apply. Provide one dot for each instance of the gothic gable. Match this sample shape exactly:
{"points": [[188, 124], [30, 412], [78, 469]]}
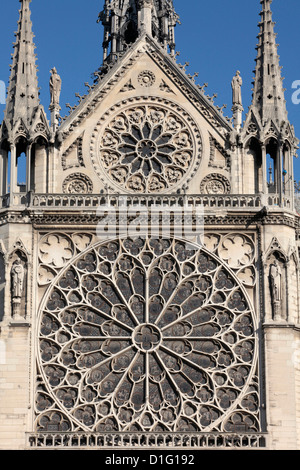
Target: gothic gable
{"points": [[183, 122], [252, 126]]}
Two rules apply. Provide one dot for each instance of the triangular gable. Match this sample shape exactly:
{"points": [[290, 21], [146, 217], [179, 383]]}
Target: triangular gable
{"points": [[20, 129], [252, 126], [40, 125], [271, 129], [176, 79], [274, 247], [72, 157]]}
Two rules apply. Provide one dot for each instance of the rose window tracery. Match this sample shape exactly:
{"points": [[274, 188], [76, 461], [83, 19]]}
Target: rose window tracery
{"points": [[147, 335], [148, 147]]}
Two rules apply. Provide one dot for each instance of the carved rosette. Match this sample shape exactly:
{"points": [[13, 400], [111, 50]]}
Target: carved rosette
{"points": [[146, 335], [146, 78], [150, 147], [215, 183], [77, 183]]}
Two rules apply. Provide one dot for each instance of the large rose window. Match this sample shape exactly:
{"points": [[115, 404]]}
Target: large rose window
{"points": [[147, 335], [148, 147]]}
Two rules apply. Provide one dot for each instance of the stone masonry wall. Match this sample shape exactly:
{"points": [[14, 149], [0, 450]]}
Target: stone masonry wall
{"points": [[14, 386]]}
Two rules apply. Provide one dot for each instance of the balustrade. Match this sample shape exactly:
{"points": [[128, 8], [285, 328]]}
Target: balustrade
{"points": [[90, 201], [147, 440]]}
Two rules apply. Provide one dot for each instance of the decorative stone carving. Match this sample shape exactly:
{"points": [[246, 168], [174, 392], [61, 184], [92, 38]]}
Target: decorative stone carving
{"points": [[165, 87], [148, 147], [215, 183], [276, 286], [55, 88], [56, 249], [252, 129], [73, 155], [77, 183], [45, 275], [21, 129], [145, 3], [127, 87], [237, 250], [275, 281], [18, 284], [225, 245], [17, 275], [236, 89], [146, 78], [40, 128]]}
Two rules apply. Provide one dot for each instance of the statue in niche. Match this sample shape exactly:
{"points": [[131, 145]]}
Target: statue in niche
{"points": [[275, 281], [17, 273], [236, 84], [17, 287], [55, 88]]}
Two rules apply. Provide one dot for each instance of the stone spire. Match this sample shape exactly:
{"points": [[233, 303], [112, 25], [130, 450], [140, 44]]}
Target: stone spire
{"points": [[268, 92], [23, 91], [126, 20]]}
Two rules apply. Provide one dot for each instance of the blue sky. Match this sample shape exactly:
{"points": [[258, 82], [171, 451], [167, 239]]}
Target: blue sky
{"points": [[216, 38]]}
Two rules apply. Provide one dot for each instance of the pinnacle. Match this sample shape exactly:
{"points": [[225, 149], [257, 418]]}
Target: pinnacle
{"points": [[268, 92], [23, 91]]}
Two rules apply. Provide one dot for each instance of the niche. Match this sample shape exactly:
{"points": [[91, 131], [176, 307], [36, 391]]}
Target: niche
{"points": [[18, 283]]}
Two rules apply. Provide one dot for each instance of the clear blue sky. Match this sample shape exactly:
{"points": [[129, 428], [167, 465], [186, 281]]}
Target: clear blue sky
{"points": [[216, 38]]}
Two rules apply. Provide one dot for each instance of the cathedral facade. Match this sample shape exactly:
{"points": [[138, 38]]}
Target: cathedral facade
{"points": [[149, 293]]}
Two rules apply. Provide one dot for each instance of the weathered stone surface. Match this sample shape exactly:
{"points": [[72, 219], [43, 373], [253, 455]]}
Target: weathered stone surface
{"points": [[149, 267]]}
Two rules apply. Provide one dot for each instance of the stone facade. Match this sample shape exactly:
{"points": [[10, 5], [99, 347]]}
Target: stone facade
{"points": [[149, 292]]}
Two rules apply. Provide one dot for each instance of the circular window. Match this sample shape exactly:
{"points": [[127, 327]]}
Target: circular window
{"points": [[147, 335], [147, 147]]}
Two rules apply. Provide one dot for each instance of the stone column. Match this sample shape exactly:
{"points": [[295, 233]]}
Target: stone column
{"points": [[13, 171], [237, 112], [3, 172], [145, 25], [279, 174], [28, 168], [264, 168]]}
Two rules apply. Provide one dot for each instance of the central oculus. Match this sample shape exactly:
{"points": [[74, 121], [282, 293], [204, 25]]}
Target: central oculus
{"points": [[146, 337], [146, 148]]}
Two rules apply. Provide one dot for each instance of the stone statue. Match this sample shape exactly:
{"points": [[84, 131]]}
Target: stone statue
{"points": [[55, 87], [275, 281], [236, 89], [17, 273]]}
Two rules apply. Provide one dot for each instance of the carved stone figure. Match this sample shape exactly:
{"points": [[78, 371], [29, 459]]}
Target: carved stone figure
{"points": [[17, 273], [275, 281], [55, 87], [236, 89]]}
